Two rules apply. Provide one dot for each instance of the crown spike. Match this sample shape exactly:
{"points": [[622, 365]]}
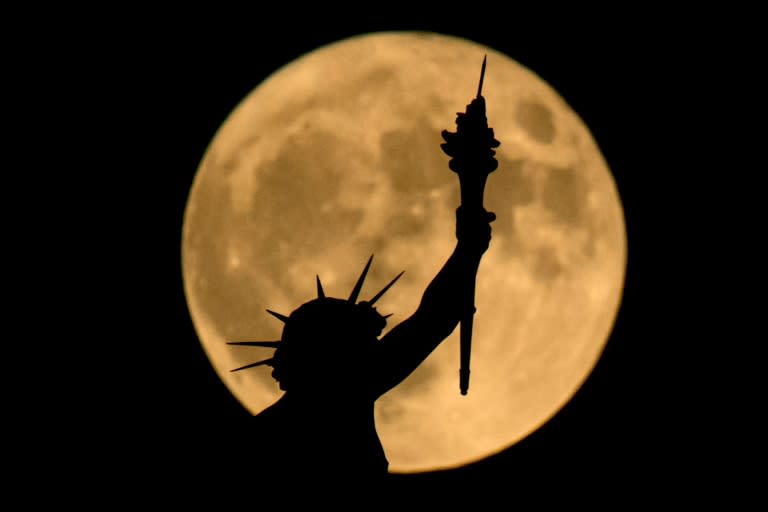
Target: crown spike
{"points": [[320, 292], [267, 344], [384, 290], [359, 285], [257, 363], [279, 316]]}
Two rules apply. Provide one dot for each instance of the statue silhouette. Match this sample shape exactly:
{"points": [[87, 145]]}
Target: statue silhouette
{"points": [[332, 365], [331, 362]]}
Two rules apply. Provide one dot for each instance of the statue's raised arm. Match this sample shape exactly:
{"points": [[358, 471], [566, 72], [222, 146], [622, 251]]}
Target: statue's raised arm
{"points": [[442, 307], [449, 299]]}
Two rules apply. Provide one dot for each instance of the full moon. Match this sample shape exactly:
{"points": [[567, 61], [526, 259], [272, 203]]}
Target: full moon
{"points": [[336, 156]]}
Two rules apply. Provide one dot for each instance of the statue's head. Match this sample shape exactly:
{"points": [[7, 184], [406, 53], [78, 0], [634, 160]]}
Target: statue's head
{"points": [[326, 339]]}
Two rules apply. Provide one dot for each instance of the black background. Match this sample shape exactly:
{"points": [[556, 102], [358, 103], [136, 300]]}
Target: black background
{"points": [[145, 95]]}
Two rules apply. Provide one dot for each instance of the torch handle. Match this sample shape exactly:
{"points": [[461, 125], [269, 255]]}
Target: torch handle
{"points": [[472, 187], [466, 340], [472, 190]]}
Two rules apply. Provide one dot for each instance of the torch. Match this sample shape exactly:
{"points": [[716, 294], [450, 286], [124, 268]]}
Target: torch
{"points": [[472, 158]]}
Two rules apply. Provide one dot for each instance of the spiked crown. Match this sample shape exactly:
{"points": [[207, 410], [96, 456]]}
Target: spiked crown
{"points": [[347, 322]]}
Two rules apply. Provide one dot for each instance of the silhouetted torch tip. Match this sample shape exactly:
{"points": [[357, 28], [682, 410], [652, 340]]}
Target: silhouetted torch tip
{"points": [[482, 76]]}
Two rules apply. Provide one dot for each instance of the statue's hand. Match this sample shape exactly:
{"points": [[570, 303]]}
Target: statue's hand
{"points": [[473, 228]]}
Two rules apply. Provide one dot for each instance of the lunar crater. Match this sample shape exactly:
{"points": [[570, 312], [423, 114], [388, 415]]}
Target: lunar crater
{"points": [[408, 156], [565, 192], [536, 120]]}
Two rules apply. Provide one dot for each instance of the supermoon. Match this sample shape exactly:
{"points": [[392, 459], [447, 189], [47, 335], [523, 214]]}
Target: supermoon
{"points": [[336, 156]]}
